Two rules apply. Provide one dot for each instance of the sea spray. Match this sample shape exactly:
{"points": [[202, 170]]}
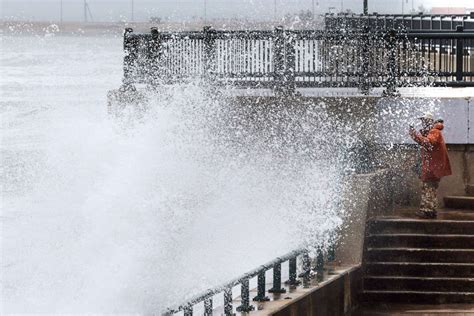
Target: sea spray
{"points": [[105, 215]]}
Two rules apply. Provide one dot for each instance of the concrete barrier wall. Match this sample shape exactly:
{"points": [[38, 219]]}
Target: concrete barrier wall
{"points": [[402, 161], [364, 196], [338, 297], [394, 114], [384, 129], [386, 120], [471, 120], [397, 186]]}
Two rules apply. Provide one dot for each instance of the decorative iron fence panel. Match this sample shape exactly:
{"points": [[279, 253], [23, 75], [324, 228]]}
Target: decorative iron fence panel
{"points": [[286, 59], [435, 59]]}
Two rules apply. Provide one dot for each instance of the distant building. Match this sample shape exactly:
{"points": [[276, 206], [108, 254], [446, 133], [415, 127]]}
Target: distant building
{"points": [[451, 10]]}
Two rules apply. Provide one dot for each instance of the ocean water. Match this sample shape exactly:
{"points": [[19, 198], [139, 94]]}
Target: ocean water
{"points": [[105, 215]]}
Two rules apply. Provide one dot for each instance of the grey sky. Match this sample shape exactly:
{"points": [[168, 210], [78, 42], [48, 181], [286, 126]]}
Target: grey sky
{"points": [[114, 10]]}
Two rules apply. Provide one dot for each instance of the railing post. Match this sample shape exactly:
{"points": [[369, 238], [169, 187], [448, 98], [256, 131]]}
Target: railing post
{"points": [[188, 311], [391, 89], [154, 51], [290, 68], [208, 307], [332, 252], [459, 54], [320, 265], [331, 257], [261, 288], [228, 310], [365, 46], [279, 59], [292, 282], [277, 280], [244, 295], [129, 59], [209, 51], [306, 270]]}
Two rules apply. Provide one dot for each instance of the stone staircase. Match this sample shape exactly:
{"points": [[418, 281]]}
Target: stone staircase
{"points": [[461, 202], [408, 260]]}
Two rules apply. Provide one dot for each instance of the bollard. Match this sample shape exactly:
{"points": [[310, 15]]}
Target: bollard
{"points": [[208, 307], [261, 288], [244, 295], [277, 280], [228, 310], [292, 282], [188, 311]]}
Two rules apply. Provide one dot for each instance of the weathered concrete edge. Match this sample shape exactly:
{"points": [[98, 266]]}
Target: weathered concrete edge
{"points": [[349, 290]]}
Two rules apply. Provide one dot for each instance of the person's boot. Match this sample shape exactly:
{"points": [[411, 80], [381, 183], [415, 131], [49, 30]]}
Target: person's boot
{"points": [[426, 214], [421, 214]]}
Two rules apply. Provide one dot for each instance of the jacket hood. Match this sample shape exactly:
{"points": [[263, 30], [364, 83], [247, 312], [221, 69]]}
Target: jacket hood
{"points": [[439, 126]]}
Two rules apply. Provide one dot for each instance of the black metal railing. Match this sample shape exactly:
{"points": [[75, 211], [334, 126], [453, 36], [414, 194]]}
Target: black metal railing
{"points": [[380, 22], [284, 60], [206, 298]]}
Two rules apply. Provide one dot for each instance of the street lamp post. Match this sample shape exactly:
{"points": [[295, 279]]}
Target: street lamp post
{"points": [[133, 10], [85, 11], [61, 11], [275, 9]]}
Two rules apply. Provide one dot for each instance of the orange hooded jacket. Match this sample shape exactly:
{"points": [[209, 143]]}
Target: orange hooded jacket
{"points": [[434, 154]]}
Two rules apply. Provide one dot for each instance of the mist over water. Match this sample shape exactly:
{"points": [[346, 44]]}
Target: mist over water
{"points": [[133, 214]]}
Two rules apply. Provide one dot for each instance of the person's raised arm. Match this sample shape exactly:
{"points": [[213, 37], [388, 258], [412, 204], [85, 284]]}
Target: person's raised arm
{"points": [[428, 142]]}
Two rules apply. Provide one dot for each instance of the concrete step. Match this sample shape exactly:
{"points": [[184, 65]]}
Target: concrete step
{"points": [[419, 226], [419, 255], [470, 189], [420, 269], [418, 297], [421, 241], [387, 309], [459, 202], [423, 284]]}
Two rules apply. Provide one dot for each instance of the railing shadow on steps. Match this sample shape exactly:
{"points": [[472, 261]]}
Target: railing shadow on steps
{"points": [[259, 272]]}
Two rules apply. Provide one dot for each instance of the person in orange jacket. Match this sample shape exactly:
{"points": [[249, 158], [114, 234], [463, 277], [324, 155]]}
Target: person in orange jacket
{"points": [[434, 162]]}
